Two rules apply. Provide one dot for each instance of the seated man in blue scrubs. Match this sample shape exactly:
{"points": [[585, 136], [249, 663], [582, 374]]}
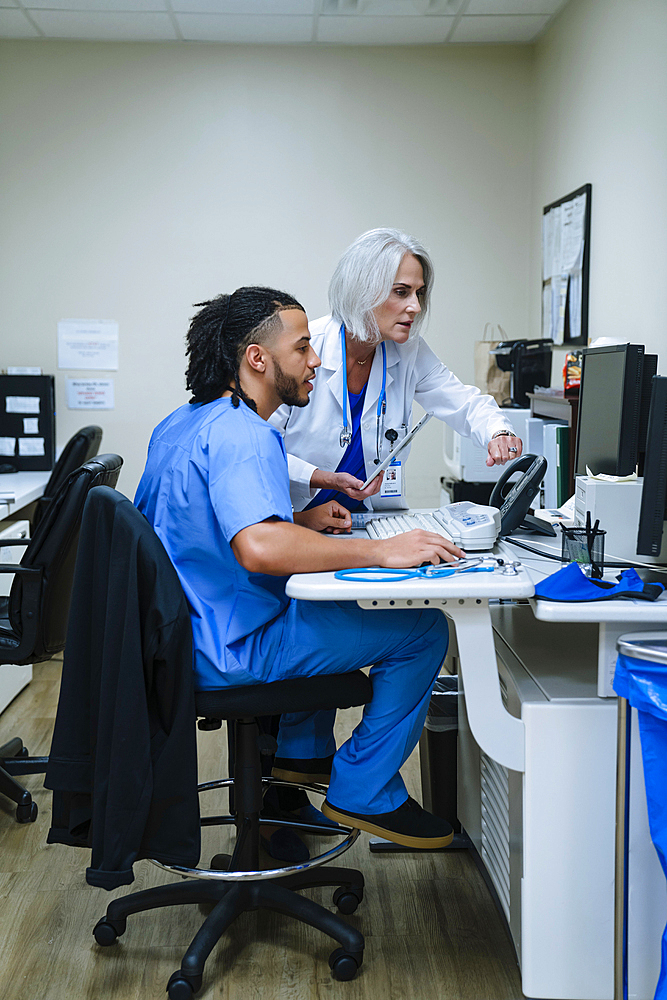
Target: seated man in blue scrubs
{"points": [[216, 490]]}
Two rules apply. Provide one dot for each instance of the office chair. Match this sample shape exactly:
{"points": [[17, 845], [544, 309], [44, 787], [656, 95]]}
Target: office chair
{"points": [[232, 884], [33, 621], [80, 448]]}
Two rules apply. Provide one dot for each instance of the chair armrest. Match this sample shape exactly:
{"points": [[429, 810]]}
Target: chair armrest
{"points": [[31, 578], [4, 542]]}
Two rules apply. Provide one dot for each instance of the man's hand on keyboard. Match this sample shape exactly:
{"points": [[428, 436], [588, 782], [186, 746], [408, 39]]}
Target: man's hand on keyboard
{"points": [[412, 548]]}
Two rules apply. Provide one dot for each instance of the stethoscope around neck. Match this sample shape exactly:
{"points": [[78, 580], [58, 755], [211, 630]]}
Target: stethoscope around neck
{"points": [[346, 432]]}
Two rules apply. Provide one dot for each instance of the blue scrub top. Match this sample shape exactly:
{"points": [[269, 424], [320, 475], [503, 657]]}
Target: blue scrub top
{"points": [[213, 469]]}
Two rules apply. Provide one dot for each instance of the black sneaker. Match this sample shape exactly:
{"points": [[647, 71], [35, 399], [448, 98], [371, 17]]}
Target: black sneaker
{"points": [[311, 771], [409, 825]]}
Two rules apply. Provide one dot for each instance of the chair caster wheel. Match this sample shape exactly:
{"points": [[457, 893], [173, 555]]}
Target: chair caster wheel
{"points": [[107, 933], [347, 900], [343, 965], [27, 813], [180, 986]]}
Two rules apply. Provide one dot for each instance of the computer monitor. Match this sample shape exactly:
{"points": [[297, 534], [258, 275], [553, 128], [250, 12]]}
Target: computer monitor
{"points": [[650, 369], [654, 491], [609, 410]]}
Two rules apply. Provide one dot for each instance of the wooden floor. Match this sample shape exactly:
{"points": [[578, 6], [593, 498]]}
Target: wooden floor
{"points": [[431, 929]]}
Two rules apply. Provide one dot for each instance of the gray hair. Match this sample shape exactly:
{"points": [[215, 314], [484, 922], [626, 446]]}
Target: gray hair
{"points": [[364, 277]]}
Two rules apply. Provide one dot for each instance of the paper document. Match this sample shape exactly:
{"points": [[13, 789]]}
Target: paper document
{"points": [[22, 404], [31, 446], [7, 446], [88, 343], [31, 425], [90, 393]]}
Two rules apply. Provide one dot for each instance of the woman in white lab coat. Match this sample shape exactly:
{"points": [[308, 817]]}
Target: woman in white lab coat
{"points": [[374, 365]]}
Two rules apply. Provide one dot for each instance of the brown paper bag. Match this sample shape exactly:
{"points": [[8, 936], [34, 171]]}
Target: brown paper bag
{"points": [[488, 375]]}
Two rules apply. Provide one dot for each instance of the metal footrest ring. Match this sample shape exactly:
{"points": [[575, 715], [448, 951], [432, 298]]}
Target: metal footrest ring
{"points": [[269, 873]]}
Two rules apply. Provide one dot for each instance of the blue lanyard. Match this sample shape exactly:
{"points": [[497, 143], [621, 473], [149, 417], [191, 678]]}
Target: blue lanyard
{"points": [[346, 432]]}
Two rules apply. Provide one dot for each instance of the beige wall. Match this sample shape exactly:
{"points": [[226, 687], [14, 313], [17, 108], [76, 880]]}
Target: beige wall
{"points": [[139, 179], [601, 117]]}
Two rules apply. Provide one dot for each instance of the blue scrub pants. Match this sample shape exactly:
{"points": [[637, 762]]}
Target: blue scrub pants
{"points": [[406, 649]]}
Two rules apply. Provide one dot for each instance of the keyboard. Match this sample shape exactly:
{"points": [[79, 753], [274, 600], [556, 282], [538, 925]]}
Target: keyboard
{"points": [[472, 526], [397, 524]]}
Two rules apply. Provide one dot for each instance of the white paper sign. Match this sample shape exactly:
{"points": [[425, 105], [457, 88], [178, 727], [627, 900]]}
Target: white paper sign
{"points": [[31, 446], [22, 404], [31, 425], [7, 446], [84, 343], [23, 370], [90, 393]]}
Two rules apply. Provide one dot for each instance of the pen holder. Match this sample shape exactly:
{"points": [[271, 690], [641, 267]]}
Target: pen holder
{"points": [[580, 545]]}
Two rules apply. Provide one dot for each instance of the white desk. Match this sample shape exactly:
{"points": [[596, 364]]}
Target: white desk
{"points": [[465, 599], [24, 487]]}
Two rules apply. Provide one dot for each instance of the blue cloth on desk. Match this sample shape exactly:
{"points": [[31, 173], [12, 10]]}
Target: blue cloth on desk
{"points": [[571, 584]]}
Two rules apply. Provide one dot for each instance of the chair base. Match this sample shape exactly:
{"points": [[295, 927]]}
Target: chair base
{"points": [[14, 759], [232, 899]]}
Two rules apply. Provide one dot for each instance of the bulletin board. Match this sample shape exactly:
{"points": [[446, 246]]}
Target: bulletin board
{"points": [[566, 244], [27, 422]]}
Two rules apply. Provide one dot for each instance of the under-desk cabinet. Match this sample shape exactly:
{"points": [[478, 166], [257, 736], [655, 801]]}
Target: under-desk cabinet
{"points": [[546, 836]]}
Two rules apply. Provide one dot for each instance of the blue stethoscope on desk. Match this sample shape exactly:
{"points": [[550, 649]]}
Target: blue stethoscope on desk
{"points": [[346, 432], [380, 574]]}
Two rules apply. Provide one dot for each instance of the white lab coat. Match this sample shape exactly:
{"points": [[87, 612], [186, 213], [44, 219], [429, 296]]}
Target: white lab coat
{"points": [[312, 433]]}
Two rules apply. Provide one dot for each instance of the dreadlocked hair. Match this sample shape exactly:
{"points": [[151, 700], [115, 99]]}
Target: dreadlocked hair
{"points": [[219, 334]]}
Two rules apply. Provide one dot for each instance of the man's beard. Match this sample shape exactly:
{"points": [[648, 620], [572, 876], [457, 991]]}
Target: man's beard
{"points": [[287, 387]]}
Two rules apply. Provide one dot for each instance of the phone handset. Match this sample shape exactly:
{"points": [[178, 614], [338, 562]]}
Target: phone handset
{"points": [[515, 501]]}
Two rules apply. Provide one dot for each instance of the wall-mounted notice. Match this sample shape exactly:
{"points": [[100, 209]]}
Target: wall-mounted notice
{"points": [[7, 446], [90, 393], [31, 425], [566, 237], [88, 343], [23, 370]]}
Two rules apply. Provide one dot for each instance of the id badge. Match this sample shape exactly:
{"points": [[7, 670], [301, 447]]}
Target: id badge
{"points": [[392, 481]]}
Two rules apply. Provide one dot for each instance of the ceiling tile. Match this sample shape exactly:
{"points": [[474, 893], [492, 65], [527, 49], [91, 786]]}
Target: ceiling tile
{"points": [[242, 29], [8, 3], [304, 8], [14, 24], [386, 8], [383, 30], [98, 6], [514, 6], [522, 28], [99, 26]]}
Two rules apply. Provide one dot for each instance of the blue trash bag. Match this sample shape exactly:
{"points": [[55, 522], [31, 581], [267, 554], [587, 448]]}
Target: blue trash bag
{"points": [[644, 684]]}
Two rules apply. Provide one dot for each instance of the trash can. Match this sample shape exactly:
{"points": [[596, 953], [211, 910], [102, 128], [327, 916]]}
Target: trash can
{"points": [[437, 750], [641, 677]]}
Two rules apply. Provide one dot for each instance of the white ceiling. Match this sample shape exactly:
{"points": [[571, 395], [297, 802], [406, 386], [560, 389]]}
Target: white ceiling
{"points": [[281, 22]]}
